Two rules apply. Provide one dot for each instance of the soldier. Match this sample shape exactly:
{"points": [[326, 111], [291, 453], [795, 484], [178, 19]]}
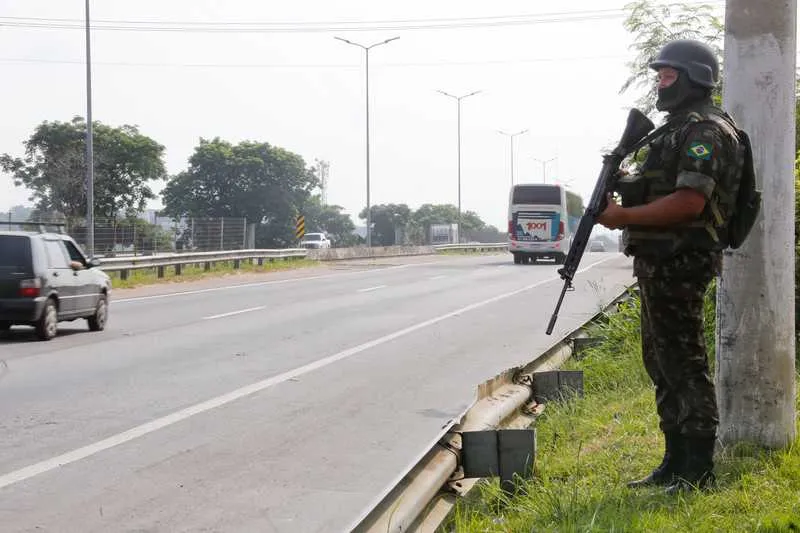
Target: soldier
{"points": [[674, 213]]}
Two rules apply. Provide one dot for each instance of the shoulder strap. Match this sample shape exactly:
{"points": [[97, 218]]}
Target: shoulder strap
{"points": [[656, 133]]}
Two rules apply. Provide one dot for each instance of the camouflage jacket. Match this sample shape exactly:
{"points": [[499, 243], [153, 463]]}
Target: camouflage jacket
{"points": [[699, 150]]}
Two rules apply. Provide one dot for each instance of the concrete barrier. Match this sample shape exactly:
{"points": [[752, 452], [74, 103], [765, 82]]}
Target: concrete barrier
{"points": [[362, 252]]}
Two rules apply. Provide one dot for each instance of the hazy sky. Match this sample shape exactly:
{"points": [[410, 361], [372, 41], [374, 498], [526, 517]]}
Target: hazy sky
{"points": [[552, 67]]}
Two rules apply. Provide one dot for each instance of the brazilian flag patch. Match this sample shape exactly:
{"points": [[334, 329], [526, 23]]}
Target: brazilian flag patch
{"points": [[700, 150]]}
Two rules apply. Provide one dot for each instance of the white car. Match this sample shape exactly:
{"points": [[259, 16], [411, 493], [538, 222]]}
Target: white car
{"points": [[597, 246], [315, 241]]}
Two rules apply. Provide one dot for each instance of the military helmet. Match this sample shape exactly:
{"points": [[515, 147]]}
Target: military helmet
{"points": [[695, 58]]}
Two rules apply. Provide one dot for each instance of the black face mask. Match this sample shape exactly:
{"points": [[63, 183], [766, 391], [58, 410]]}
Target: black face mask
{"points": [[679, 94]]}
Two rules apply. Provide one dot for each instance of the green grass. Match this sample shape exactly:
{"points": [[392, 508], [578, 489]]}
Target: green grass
{"points": [[137, 278], [587, 448]]}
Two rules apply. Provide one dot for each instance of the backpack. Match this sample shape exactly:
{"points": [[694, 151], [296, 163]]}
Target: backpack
{"points": [[748, 198]]}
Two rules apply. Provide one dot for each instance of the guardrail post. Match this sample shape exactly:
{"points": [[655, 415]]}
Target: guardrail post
{"points": [[160, 271], [236, 264], [207, 266], [178, 268], [123, 275], [260, 261]]}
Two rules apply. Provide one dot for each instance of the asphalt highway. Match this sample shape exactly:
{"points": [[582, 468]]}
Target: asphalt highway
{"points": [[282, 402]]}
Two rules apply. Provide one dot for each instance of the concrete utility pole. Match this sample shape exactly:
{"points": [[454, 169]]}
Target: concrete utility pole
{"points": [[755, 372]]}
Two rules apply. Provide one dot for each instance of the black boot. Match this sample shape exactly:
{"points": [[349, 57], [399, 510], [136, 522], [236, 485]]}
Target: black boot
{"points": [[664, 473], [697, 470]]}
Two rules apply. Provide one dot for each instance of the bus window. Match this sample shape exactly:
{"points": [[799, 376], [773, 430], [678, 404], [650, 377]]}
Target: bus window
{"points": [[575, 210], [536, 194]]}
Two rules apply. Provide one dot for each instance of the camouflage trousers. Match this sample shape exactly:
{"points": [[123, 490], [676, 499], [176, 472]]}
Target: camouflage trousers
{"points": [[674, 354]]}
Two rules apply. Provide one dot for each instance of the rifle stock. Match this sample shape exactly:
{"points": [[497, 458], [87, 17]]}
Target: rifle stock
{"points": [[634, 136]]}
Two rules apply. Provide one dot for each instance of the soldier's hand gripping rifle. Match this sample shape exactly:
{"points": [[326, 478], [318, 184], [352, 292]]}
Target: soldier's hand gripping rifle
{"points": [[633, 138]]}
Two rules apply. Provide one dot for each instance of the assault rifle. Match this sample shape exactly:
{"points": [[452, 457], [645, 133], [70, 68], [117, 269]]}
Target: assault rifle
{"points": [[634, 137]]}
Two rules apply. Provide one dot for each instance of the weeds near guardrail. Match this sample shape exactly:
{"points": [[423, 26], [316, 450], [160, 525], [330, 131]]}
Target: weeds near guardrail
{"points": [[587, 448], [149, 276]]}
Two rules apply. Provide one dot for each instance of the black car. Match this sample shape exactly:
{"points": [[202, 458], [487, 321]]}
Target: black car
{"points": [[44, 279]]}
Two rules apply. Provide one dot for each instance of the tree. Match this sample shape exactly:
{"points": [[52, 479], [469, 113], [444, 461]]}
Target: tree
{"points": [[126, 234], [470, 221], [488, 234], [429, 214], [329, 219], [18, 213], [386, 220], [54, 168], [656, 24], [265, 184]]}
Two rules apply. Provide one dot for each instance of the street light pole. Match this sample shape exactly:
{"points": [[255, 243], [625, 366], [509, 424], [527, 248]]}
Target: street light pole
{"points": [[511, 152], [458, 104], [544, 166], [89, 141], [366, 52]]}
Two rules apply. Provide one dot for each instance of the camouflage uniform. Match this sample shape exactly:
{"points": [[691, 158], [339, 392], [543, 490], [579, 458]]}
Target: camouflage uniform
{"points": [[699, 148], [675, 265], [673, 343]]}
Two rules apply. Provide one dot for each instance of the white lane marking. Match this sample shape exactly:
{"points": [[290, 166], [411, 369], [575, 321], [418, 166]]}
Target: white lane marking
{"points": [[232, 313], [149, 427], [370, 289], [437, 277], [264, 283]]}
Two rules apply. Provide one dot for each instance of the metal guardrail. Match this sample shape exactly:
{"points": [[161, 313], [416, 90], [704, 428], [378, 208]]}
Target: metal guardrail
{"points": [[124, 265], [426, 494]]}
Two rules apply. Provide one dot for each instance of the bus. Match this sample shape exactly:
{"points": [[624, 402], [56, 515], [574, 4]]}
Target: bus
{"points": [[542, 220]]}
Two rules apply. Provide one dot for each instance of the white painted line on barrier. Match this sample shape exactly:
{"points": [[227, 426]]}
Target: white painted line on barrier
{"points": [[149, 427], [370, 289], [232, 313]]}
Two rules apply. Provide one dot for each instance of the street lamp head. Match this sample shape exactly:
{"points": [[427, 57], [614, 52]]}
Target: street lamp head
{"points": [[348, 42], [459, 97], [512, 135], [366, 47], [382, 42]]}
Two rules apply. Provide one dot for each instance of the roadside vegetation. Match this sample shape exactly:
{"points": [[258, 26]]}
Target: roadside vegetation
{"points": [[587, 448], [137, 278]]}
